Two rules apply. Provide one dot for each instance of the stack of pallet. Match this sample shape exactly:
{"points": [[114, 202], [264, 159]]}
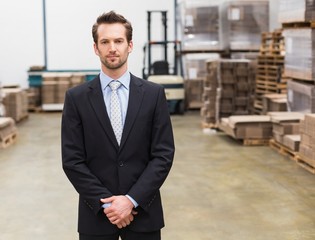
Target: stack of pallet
{"points": [[269, 73], [15, 101], [228, 90], [54, 87], [8, 132], [297, 18]]}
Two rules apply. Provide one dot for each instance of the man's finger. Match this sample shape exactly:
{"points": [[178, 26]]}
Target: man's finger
{"points": [[107, 200]]}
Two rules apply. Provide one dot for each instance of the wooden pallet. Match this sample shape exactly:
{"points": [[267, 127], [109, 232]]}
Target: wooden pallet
{"points": [[305, 163], [8, 140], [209, 125], [283, 150], [274, 60], [255, 142], [35, 109], [307, 24], [266, 77], [272, 42]]}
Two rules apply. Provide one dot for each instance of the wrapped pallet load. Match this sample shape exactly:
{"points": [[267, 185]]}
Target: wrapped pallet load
{"points": [[299, 56], [296, 11], [203, 25], [246, 21]]}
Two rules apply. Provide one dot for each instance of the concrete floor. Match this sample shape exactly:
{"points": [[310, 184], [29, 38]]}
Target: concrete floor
{"points": [[217, 189]]}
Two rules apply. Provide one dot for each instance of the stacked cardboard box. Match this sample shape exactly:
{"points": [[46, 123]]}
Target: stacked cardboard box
{"points": [[231, 89], [15, 101], [77, 78], [307, 145], [286, 128], [34, 98], [193, 93], [274, 102], [2, 108], [244, 86], [195, 75], [8, 132], [55, 85], [247, 127], [247, 19], [211, 96]]}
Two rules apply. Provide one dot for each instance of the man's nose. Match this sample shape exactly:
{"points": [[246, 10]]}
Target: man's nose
{"points": [[112, 46]]}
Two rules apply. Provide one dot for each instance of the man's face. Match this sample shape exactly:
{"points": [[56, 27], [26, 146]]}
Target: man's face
{"points": [[112, 46]]}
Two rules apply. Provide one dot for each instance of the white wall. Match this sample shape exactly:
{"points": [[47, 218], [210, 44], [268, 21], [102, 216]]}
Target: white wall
{"points": [[69, 38]]}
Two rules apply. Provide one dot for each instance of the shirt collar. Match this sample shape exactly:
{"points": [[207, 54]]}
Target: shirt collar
{"points": [[124, 80]]}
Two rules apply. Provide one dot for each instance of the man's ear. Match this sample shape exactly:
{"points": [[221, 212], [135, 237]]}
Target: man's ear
{"points": [[96, 49], [130, 47]]}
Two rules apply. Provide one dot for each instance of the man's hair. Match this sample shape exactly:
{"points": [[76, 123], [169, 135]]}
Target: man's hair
{"points": [[109, 18]]}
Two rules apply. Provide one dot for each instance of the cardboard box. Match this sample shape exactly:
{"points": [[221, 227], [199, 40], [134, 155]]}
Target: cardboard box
{"points": [[274, 103], [307, 151], [286, 128], [48, 92], [15, 101], [278, 137], [193, 93], [248, 127], [292, 142]]}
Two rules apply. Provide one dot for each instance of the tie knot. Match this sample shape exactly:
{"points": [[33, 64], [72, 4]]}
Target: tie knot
{"points": [[114, 85]]}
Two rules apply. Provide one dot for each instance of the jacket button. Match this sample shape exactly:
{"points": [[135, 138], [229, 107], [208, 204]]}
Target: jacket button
{"points": [[121, 164]]}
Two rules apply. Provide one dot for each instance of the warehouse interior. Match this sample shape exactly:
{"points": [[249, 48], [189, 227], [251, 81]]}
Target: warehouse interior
{"points": [[244, 125]]}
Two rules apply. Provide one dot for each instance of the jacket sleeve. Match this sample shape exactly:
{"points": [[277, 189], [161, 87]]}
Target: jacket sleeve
{"points": [[162, 152], [74, 158]]}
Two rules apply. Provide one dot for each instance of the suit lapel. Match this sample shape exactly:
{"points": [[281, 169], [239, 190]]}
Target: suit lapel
{"points": [[97, 102], [135, 99]]}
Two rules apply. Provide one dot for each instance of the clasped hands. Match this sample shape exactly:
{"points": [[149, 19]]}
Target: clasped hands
{"points": [[120, 212]]}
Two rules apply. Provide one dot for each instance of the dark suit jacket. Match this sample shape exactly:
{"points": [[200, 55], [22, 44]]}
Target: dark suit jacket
{"points": [[98, 168]]}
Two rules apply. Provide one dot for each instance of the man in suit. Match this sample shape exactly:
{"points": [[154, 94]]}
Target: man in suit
{"points": [[117, 143]]}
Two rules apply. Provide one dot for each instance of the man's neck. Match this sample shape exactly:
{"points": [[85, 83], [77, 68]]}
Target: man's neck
{"points": [[114, 73]]}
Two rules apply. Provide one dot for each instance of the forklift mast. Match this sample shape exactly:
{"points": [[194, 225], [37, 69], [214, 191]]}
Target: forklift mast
{"points": [[160, 67]]}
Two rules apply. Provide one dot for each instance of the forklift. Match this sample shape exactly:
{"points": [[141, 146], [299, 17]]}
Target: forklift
{"points": [[170, 76]]}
